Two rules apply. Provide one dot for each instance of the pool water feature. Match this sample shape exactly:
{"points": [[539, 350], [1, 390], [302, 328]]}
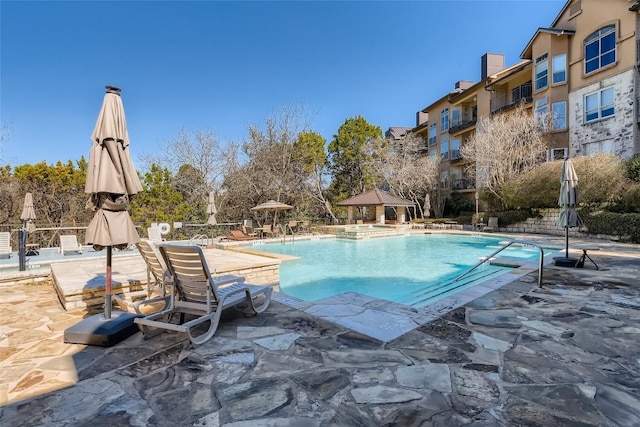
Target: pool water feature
{"points": [[415, 269]]}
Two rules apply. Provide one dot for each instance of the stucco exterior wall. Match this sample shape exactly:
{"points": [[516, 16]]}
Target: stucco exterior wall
{"points": [[614, 135]]}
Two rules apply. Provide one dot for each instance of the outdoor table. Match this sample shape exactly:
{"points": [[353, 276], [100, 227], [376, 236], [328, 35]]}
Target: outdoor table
{"points": [[584, 250], [32, 249]]}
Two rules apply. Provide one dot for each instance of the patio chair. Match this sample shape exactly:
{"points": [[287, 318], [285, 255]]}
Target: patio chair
{"points": [[5, 244], [304, 227], [195, 291], [155, 235], [155, 296], [69, 243], [239, 235], [268, 230], [492, 224], [248, 230]]}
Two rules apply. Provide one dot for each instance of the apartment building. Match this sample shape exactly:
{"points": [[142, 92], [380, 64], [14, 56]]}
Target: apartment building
{"points": [[583, 71]]}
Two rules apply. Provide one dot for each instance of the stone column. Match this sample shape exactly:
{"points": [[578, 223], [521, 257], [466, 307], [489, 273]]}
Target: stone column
{"points": [[380, 215], [402, 215], [351, 215]]}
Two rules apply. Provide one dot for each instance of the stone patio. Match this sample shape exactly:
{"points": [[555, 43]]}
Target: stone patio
{"points": [[563, 355]]}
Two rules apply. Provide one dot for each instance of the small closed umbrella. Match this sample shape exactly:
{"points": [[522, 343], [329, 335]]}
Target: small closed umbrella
{"points": [[568, 200], [426, 209], [111, 180], [28, 215]]}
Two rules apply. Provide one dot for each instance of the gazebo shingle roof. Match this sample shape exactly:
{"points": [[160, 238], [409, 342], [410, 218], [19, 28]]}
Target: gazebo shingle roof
{"points": [[376, 197]]}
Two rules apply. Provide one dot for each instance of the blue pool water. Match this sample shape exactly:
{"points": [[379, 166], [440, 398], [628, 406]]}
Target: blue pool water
{"points": [[399, 269]]}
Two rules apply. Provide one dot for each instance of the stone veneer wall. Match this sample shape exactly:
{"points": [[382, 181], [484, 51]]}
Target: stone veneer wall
{"points": [[614, 135], [548, 224]]}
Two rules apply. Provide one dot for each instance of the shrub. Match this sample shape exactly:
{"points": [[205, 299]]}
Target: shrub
{"points": [[632, 167], [602, 179], [506, 218], [625, 225]]}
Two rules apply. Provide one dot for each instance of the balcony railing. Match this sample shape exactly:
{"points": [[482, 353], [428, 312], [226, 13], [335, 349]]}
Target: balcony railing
{"points": [[501, 101], [461, 124], [463, 184]]}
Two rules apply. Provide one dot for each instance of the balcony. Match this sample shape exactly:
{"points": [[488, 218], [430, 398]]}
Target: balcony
{"points": [[503, 101], [464, 184], [455, 155], [458, 125]]}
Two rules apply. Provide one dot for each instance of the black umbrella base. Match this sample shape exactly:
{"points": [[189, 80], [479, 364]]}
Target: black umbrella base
{"points": [[565, 262], [96, 330]]}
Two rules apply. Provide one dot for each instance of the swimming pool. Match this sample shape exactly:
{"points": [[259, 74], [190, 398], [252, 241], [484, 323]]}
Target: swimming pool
{"points": [[415, 269]]}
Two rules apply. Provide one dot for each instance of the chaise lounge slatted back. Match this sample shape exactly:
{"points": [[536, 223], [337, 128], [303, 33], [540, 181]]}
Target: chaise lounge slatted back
{"points": [[69, 243], [5, 244], [155, 296], [195, 291], [155, 235]]}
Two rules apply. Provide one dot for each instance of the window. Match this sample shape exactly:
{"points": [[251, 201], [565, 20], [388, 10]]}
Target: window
{"points": [[455, 148], [605, 147], [444, 120], [433, 132], [455, 118], [444, 179], [559, 64], [433, 153], [598, 105], [600, 49], [559, 119], [444, 148], [542, 72], [542, 111], [557, 154]]}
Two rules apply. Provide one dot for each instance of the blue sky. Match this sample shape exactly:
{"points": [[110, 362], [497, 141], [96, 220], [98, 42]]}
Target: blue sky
{"points": [[211, 65]]}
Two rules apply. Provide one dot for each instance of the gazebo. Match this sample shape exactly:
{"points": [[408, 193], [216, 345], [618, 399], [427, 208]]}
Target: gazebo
{"points": [[377, 200]]}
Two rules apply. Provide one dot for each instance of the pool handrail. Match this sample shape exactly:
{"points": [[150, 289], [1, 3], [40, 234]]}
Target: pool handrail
{"points": [[488, 259]]}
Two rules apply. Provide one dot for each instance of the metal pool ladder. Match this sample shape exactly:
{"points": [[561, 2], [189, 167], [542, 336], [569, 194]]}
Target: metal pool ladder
{"points": [[488, 259]]}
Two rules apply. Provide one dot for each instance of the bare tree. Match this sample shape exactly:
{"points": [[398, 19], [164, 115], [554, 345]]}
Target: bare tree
{"points": [[407, 171], [202, 151], [504, 146], [266, 169]]}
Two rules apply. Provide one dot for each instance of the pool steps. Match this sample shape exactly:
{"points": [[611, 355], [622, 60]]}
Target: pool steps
{"points": [[448, 287]]}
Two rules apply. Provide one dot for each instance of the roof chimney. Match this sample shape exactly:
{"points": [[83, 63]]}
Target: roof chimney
{"points": [[491, 64]]}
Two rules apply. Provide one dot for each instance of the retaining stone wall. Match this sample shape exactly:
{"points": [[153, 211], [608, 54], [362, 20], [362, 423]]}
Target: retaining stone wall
{"points": [[548, 224]]}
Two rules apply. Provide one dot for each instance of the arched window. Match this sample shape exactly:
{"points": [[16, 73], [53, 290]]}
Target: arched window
{"points": [[600, 49]]}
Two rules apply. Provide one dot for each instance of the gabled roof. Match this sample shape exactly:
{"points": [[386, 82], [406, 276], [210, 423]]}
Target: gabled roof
{"points": [[526, 53], [397, 132], [376, 197]]}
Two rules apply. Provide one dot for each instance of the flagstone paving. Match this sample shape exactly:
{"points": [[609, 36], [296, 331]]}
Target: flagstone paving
{"points": [[567, 354]]}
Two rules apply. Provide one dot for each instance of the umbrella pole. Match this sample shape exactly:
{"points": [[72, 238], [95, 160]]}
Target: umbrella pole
{"points": [[107, 287], [22, 241], [566, 234]]}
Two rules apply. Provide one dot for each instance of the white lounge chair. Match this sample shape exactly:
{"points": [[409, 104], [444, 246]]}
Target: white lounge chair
{"points": [[195, 291], [5, 244], [69, 243], [155, 235]]}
